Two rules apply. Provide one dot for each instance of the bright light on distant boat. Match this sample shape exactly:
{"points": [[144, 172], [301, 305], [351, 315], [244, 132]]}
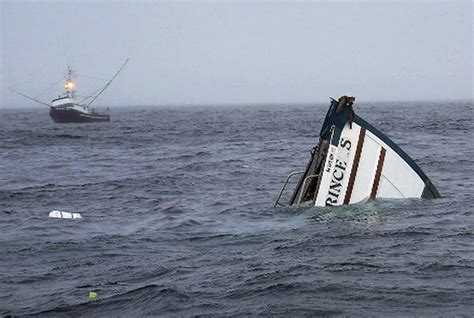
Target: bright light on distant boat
{"points": [[69, 85]]}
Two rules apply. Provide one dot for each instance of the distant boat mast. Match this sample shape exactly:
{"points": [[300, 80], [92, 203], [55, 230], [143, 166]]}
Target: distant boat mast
{"points": [[70, 84]]}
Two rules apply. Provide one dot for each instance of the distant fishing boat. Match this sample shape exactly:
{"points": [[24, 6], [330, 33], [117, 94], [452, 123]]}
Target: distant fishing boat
{"points": [[66, 109], [353, 162]]}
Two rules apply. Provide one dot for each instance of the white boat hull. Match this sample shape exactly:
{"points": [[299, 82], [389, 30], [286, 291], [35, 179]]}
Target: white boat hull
{"points": [[354, 162], [363, 167]]}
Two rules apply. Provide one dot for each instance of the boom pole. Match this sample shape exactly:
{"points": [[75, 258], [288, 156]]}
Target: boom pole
{"points": [[28, 97], [109, 82]]}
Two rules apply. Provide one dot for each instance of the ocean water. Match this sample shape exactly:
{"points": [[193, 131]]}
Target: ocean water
{"points": [[178, 218]]}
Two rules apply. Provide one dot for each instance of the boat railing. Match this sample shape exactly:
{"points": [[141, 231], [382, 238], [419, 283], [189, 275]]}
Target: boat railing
{"points": [[304, 186], [277, 202]]}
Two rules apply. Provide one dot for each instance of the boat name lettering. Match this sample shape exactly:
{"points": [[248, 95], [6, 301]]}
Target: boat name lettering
{"points": [[336, 182], [330, 159], [344, 143]]}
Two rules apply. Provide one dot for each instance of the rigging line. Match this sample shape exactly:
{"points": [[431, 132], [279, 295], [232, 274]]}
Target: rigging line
{"points": [[91, 95], [107, 85], [28, 97], [47, 89], [93, 77]]}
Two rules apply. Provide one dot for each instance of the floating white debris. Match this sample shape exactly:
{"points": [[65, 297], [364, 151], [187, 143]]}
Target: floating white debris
{"points": [[64, 215]]}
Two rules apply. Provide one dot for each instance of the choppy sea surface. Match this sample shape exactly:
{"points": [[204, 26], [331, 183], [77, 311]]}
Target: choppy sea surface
{"points": [[178, 217]]}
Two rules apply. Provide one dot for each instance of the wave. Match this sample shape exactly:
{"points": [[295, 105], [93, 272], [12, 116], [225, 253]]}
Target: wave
{"points": [[136, 302]]}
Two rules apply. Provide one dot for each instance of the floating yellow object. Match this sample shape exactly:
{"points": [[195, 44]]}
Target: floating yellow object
{"points": [[92, 295]]}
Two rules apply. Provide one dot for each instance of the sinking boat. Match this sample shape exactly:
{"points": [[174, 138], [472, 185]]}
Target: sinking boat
{"points": [[67, 109], [353, 162]]}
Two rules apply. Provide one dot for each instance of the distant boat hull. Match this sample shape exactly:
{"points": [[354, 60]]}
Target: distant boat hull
{"points": [[74, 116]]}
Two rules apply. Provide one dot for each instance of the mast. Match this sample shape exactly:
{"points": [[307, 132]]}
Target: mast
{"points": [[70, 84]]}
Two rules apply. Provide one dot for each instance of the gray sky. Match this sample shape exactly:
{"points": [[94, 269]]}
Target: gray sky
{"points": [[203, 52]]}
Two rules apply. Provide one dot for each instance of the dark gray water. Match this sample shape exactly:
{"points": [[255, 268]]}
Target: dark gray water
{"points": [[178, 218]]}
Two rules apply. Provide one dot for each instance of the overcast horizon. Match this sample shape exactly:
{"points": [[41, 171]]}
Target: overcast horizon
{"points": [[236, 52]]}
